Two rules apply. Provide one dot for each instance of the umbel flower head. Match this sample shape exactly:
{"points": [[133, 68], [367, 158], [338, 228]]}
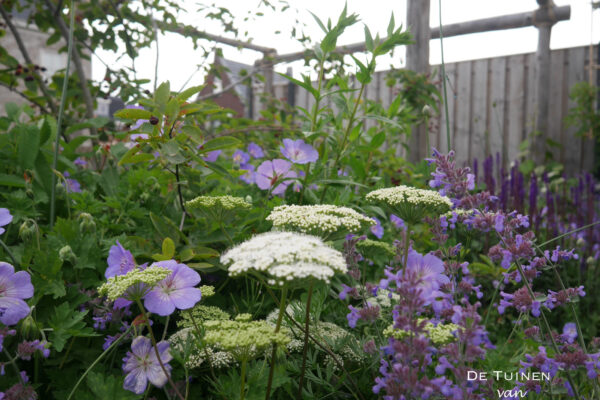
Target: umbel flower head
{"points": [[134, 285], [242, 338], [411, 204], [218, 202], [285, 257], [321, 220]]}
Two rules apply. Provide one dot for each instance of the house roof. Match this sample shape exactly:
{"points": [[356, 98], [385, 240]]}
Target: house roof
{"points": [[236, 71]]}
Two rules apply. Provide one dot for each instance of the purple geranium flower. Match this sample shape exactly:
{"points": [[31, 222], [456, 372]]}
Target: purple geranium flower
{"points": [[272, 175], [175, 291], [212, 156], [141, 365], [255, 150], [377, 229], [249, 176], [298, 152], [240, 157], [73, 186], [5, 219], [120, 261], [14, 287], [397, 222], [80, 161], [429, 269]]}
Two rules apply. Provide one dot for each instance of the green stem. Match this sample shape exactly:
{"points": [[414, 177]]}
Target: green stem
{"points": [[97, 360], [12, 361], [346, 135], [444, 79], [199, 333], [568, 233], [274, 352], [406, 245], [154, 344], [61, 112], [10, 254], [306, 333], [243, 378], [333, 356]]}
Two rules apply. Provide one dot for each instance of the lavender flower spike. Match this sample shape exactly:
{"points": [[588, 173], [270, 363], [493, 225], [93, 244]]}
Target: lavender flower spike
{"points": [[5, 219], [14, 287], [299, 152], [176, 291], [141, 365]]}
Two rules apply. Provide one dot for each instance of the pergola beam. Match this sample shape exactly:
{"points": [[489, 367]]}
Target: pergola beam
{"points": [[511, 21]]}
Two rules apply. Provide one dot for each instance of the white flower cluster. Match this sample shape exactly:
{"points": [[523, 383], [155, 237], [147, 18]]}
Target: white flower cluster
{"points": [[224, 202], [383, 299], [185, 340], [321, 219], [410, 203], [285, 257]]}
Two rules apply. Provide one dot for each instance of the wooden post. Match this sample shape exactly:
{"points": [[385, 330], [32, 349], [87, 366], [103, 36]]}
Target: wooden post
{"points": [[417, 59], [542, 65]]}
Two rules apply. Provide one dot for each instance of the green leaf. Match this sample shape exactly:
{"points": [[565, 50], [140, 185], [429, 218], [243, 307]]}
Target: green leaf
{"points": [[133, 114], [194, 133], [391, 25], [168, 248], [108, 387], [28, 143], [67, 323], [163, 227], [202, 266], [340, 182], [11, 180], [368, 39], [306, 84], [161, 96], [377, 140], [222, 142], [187, 93]]}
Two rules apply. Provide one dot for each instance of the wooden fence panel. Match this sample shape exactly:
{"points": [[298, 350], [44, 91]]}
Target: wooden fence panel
{"points": [[492, 106]]}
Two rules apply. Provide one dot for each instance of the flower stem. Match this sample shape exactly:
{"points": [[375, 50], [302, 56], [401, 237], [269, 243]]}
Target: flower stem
{"points": [[306, 333], [274, 352], [243, 378], [97, 360], [10, 254], [61, 112], [406, 245], [162, 366]]}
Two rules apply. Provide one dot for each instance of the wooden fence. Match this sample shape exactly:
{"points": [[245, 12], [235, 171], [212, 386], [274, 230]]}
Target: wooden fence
{"points": [[492, 106]]}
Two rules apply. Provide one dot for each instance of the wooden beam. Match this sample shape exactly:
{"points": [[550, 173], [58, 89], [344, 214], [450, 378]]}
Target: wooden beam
{"points": [[512, 21], [503, 22], [417, 59], [187, 30]]}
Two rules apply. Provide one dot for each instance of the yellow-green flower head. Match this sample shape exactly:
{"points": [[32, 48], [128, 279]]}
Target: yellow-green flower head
{"points": [[223, 202], [320, 220], [384, 298], [375, 247], [244, 340], [439, 334], [411, 204], [201, 313], [285, 257], [217, 358], [207, 291], [136, 283]]}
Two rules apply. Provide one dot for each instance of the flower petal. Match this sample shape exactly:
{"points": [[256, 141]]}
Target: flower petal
{"points": [[22, 287], [185, 298], [5, 217], [12, 310], [136, 381], [159, 302], [184, 276]]}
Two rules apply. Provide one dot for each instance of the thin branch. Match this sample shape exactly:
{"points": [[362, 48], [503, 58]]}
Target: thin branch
{"points": [[85, 90], [23, 95], [25, 54]]}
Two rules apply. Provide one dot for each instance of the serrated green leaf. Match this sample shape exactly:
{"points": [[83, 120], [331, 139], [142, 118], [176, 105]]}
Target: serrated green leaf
{"points": [[28, 142]]}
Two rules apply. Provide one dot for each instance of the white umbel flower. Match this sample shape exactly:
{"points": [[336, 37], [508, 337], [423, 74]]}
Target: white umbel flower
{"points": [[321, 219], [285, 257], [410, 203]]}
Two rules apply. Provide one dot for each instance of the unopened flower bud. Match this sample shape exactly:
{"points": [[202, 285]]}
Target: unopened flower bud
{"points": [[60, 189], [66, 254], [27, 231], [248, 199], [29, 329], [87, 223], [427, 111], [581, 242]]}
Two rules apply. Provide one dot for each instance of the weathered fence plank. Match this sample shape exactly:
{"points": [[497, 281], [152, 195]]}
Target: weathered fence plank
{"points": [[516, 105], [479, 76]]}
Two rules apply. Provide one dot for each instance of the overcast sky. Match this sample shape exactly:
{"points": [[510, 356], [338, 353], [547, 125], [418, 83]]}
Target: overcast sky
{"points": [[178, 61]]}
